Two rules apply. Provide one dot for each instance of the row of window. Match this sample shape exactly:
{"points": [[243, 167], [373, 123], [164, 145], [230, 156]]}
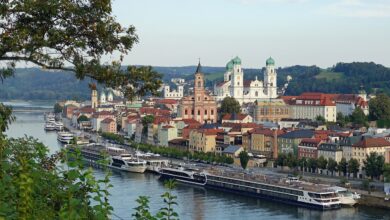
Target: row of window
{"points": [[205, 112]]}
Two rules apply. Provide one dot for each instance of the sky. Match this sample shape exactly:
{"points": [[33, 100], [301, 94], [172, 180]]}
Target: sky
{"points": [[293, 32]]}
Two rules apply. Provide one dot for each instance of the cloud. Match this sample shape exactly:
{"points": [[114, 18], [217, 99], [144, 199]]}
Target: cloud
{"points": [[359, 8]]}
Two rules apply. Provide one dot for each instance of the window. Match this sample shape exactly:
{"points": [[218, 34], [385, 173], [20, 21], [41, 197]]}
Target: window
{"points": [[212, 111], [199, 84], [186, 112], [198, 112], [192, 111], [205, 111]]}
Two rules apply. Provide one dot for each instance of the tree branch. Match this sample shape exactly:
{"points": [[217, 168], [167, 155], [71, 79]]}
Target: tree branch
{"points": [[17, 58]]}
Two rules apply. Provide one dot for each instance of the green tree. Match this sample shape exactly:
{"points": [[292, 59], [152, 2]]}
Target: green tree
{"points": [[146, 120], [230, 105], [312, 164], [58, 108], [343, 166], [379, 107], [374, 164], [332, 165], [320, 118], [322, 162], [341, 119], [82, 118], [282, 160], [292, 161], [168, 213], [386, 172], [302, 163], [353, 166], [72, 36], [358, 117], [244, 159]]}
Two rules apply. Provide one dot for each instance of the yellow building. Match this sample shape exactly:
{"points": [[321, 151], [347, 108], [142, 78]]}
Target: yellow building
{"points": [[203, 140], [261, 141], [363, 148], [271, 111]]}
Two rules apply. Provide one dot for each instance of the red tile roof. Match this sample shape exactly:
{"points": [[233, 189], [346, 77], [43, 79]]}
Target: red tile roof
{"points": [[210, 131], [154, 111], [160, 119], [311, 99], [238, 116], [310, 141], [372, 142], [167, 101], [168, 126], [107, 120]]}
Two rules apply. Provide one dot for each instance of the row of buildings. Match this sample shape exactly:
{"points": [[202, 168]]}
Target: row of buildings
{"points": [[267, 125]]}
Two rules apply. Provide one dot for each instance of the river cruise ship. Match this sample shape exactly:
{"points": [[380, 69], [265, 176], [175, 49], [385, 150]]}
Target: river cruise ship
{"points": [[117, 158], [285, 190]]}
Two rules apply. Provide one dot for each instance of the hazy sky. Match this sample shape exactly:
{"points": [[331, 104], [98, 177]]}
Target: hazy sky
{"points": [[306, 32]]}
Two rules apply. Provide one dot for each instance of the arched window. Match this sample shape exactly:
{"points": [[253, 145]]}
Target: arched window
{"points": [[212, 111], [198, 112], [186, 112], [205, 111], [199, 84], [256, 93]]}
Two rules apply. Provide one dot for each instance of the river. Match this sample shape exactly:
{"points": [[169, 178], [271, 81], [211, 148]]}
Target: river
{"points": [[193, 202]]}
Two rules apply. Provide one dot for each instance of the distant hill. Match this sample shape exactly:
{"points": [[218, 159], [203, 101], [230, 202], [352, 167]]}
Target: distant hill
{"points": [[36, 84]]}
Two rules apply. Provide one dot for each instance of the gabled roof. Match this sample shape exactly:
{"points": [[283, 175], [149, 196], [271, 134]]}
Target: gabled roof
{"points": [[372, 142]]}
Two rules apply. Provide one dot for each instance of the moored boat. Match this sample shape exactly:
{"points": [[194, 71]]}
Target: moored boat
{"points": [[65, 137], [346, 197], [299, 193], [49, 126]]}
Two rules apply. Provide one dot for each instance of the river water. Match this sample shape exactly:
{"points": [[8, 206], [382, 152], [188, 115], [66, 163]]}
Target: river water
{"points": [[193, 202]]}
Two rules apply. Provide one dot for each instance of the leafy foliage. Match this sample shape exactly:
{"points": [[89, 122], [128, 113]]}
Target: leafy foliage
{"points": [[322, 162], [343, 166], [180, 154], [72, 36], [380, 107], [353, 166], [374, 164], [58, 108], [244, 159], [230, 105], [119, 139], [358, 117], [332, 165], [33, 186]]}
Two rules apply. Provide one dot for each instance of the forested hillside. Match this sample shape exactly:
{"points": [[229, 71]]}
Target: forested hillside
{"points": [[36, 84]]}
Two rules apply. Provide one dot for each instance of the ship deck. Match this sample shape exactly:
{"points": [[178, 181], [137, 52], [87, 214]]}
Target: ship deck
{"points": [[269, 179]]}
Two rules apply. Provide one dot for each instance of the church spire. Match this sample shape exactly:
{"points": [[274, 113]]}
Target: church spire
{"points": [[199, 68]]}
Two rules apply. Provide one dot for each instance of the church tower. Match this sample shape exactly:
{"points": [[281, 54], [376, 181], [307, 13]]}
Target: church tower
{"points": [[94, 96], [270, 79], [237, 84], [198, 84]]}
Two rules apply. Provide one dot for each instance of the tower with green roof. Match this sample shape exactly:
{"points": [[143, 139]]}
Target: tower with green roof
{"points": [[270, 78]]}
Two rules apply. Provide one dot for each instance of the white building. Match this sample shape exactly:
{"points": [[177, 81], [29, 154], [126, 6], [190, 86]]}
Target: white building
{"points": [[311, 105], [347, 103], [244, 91], [173, 94]]}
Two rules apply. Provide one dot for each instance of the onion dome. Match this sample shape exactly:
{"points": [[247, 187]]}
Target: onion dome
{"points": [[229, 65], [236, 61], [270, 61]]}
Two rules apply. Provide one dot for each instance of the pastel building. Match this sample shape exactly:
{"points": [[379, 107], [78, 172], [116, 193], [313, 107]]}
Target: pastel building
{"points": [[199, 106], [108, 125]]}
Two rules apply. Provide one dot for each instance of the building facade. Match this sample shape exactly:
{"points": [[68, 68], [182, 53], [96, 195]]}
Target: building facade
{"points": [[243, 91], [199, 106], [311, 105], [308, 148], [271, 111], [173, 93], [330, 150]]}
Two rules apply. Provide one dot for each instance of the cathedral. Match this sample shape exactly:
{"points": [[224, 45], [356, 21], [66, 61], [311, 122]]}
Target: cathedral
{"points": [[245, 91]]}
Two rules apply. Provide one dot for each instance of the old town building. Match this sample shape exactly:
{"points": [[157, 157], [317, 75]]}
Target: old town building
{"points": [[199, 106]]}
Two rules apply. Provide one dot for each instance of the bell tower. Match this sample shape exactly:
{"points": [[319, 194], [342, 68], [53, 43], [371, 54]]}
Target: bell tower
{"points": [[270, 79], [94, 95]]}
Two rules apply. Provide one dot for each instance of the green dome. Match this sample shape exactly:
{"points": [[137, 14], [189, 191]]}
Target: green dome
{"points": [[270, 61], [236, 61], [229, 65]]}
